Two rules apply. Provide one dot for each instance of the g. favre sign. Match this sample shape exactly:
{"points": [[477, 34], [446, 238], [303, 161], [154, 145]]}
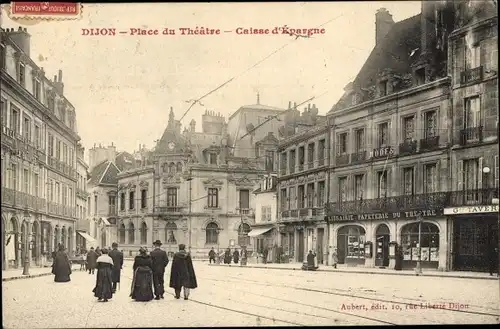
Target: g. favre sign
{"points": [[471, 210], [390, 215]]}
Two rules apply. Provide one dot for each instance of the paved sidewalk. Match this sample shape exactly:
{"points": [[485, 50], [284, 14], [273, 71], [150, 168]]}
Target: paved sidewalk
{"points": [[366, 270], [17, 274]]}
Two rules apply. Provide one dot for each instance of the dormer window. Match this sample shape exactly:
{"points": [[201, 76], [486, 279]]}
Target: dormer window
{"points": [[37, 88], [383, 88], [3, 56], [356, 99], [22, 74], [212, 158], [51, 103], [420, 76]]}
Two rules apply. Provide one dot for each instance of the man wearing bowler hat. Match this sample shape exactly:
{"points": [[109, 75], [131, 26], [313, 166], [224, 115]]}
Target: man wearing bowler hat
{"points": [[160, 260], [117, 257]]}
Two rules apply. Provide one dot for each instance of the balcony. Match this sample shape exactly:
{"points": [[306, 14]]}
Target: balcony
{"points": [[301, 166], [245, 211], [310, 165], [169, 209], [342, 159], [62, 167], [8, 137], [303, 212], [472, 75], [429, 143], [285, 214], [409, 146], [472, 197], [81, 193], [359, 156], [22, 200], [282, 171], [471, 135], [321, 160]]}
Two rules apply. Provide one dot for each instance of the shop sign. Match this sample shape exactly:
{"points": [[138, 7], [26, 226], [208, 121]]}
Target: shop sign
{"points": [[470, 210], [390, 215]]}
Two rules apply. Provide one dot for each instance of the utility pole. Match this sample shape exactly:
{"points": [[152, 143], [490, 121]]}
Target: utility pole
{"points": [[190, 178]]}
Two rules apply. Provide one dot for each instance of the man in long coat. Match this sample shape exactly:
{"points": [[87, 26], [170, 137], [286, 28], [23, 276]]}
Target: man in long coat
{"points": [[160, 261], [91, 260], [61, 267], [117, 257], [182, 273]]}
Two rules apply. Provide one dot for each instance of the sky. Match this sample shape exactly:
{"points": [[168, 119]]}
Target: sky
{"points": [[123, 86]]}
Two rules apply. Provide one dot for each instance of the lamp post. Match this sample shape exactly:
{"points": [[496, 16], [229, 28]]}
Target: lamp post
{"points": [[486, 171], [27, 219], [189, 178], [418, 268]]}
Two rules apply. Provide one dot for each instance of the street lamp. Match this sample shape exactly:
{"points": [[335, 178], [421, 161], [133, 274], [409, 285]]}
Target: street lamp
{"points": [[27, 220], [189, 178], [418, 268]]}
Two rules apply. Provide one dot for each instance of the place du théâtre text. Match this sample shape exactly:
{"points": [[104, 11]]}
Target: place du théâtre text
{"points": [[402, 306], [196, 31]]}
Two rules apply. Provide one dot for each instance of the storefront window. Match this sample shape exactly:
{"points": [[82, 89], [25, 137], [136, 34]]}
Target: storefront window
{"points": [[429, 239], [351, 240]]}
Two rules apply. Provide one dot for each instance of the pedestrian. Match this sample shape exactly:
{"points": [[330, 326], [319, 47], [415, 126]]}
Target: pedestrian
{"points": [[227, 256], [280, 254], [98, 251], [103, 289], [335, 257], [61, 267], [141, 289], [310, 266], [182, 273], [117, 257], [236, 256], [492, 259], [91, 260], [265, 252], [211, 255], [244, 255], [159, 259]]}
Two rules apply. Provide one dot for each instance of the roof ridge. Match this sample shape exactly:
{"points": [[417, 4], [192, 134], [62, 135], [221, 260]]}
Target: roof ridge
{"points": [[104, 172]]}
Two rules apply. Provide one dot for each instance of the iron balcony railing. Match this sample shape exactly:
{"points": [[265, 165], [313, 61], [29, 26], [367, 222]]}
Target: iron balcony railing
{"points": [[22, 200], [408, 147], [472, 75], [429, 143], [169, 209], [358, 156], [342, 159], [471, 135]]}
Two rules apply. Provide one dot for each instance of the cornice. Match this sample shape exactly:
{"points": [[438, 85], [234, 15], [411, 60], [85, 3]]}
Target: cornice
{"points": [[135, 172], [491, 21], [310, 134], [26, 95]]}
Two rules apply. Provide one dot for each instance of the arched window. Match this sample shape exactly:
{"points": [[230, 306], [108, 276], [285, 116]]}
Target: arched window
{"points": [[212, 232], [171, 168], [63, 237], [144, 233], [243, 238], [429, 242], [179, 167], [351, 244], [131, 233], [170, 233], [121, 233]]}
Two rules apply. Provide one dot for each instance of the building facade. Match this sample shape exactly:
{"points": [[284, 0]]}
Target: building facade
{"points": [[82, 196], [303, 185], [403, 132], [39, 142]]}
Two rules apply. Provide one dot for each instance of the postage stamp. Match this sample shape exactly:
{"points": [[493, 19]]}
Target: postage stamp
{"points": [[45, 10]]}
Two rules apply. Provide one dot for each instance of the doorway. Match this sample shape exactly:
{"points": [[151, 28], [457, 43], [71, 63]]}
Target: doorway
{"points": [[300, 236], [319, 245], [382, 246]]}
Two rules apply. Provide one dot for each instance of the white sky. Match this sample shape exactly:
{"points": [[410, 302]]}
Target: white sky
{"points": [[123, 86]]}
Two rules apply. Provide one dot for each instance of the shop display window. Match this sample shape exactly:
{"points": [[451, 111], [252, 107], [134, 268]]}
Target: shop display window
{"points": [[355, 241], [429, 239]]}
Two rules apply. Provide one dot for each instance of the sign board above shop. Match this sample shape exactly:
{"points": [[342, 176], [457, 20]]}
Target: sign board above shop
{"points": [[471, 210], [389, 215]]}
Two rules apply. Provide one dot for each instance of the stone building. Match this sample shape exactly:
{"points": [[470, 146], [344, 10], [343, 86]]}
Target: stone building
{"points": [[399, 135], [303, 184], [38, 147], [82, 196]]}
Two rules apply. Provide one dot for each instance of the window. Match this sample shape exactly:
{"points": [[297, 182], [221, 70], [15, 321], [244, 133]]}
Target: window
{"points": [[27, 128], [321, 194], [65, 153], [22, 74], [36, 139], [51, 103], [179, 167], [310, 195], [26, 178], [292, 162], [95, 205], [359, 142], [70, 196], [310, 154], [172, 197], [3, 107], [58, 150], [3, 56], [13, 170], [131, 233], [383, 134], [283, 162], [36, 185], [420, 76], [353, 237], [213, 158], [292, 198], [212, 233], [382, 184], [213, 198], [359, 187], [430, 178], [144, 233], [430, 124], [356, 99], [144, 199], [321, 152], [71, 157], [342, 144], [429, 242], [408, 181], [171, 168], [472, 112], [51, 144], [342, 189], [471, 174], [122, 201], [409, 127], [300, 197], [121, 233], [64, 195], [244, 199], [14, 119], [269, 160], [266, 213], [170, 230], [243, 238], [131, 198], [37, 88], [88, 206], [301, 157], [383, 88], [283, 200], [111, 205], [472, 56]]}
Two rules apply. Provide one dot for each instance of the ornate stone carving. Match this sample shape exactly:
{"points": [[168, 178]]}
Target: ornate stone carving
{"points": [[213, 182], [144, 184], [171, 180]]}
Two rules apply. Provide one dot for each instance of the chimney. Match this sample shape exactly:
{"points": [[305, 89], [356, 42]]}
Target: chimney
{"points": [[21, 38], [289, 104], [427, 29], [60, 76], [383, 24], [58, 84]]}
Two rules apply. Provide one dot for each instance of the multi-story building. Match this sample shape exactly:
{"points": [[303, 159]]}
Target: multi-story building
{"points": [[82, 223], [198, 190], [399, 136], [39, 139], [303, 184]]}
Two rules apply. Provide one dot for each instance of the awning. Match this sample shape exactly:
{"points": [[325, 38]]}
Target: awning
{"points": [[259, 231], [89, 239]]}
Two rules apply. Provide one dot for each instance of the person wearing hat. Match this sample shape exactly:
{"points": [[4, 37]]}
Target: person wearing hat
{"points": [[117, 257], [160, 261], [182, 273], [141, 289], [91, 260], [103, 289]]}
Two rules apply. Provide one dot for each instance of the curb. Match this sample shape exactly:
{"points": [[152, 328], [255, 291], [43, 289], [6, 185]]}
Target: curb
{"points": [[366, 272], [20, 277]]}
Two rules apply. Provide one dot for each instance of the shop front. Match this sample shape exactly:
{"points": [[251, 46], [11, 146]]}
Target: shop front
{"points": [[475, 237]]}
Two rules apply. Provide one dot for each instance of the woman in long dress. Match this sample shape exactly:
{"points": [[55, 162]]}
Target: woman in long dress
{"points": [[142, 282], [104, 284], [61, 267]]}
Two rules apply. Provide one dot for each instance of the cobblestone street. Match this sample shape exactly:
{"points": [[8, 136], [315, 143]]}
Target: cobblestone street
{"points": [[233, 296]]}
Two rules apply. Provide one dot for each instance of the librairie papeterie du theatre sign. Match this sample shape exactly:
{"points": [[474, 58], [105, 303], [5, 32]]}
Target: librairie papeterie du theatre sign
{"points": [[387, 215]]}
